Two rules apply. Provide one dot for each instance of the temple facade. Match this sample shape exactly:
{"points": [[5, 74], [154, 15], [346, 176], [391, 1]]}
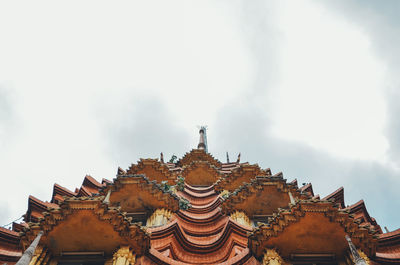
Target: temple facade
{"points": [[196, 210]]}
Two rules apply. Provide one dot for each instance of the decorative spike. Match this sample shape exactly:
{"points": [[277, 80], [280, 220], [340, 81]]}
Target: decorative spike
{"points": [[356, 256], [107, 198], [292, 201], [27, 256]]}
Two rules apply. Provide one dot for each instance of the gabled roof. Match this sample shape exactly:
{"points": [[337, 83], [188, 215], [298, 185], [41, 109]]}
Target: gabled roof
{"points": [[208, 172], [86, 224], [35, 209], [262, 196], [307, 188], [318, 224], [360, 213], [153, 169], [150, 195], [337, 196], [198, 155], [59, 192], [244, 173]]}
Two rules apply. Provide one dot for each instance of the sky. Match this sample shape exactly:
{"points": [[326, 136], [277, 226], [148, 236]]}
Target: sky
{"points": [[309, 88]]}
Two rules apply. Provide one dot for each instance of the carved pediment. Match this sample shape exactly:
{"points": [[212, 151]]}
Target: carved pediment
{"points": [[244, 174], [86, 224], [201, 173], [262, 196], [312, 226], [136, 193], [153, 170], [198, 155]]}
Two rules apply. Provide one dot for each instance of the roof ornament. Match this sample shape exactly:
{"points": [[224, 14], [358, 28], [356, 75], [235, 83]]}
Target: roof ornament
{"points": [[227, 157], [358, 260], [162, 157], [203, 139], [107, 198], [27, 256], [238, 159]]}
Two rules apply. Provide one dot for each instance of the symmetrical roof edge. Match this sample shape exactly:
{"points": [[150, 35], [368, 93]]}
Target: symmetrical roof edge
{"points": [[284, 217], [198, 154], [120, 222], [239, 194], [166, 195]]}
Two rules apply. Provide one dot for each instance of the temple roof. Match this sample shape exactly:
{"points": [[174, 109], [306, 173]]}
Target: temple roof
{"points": [[86, 224], [337, 196], [329, 226], [207, 212], [150, 195]]}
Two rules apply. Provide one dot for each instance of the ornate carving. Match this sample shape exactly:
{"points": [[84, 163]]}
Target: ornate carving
{"points": [[241, 218], [285, 217], [40, 257], [159, 170], [209, 173], [161, 198], [124, 256], [357, 259], [255, 188], [132, 232], [198, 155], [159, 217], [243, 174], [271, 257], [364, 256]]}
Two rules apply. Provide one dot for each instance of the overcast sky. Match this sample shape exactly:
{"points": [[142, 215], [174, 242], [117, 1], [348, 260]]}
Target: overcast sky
{"points": [[309, 88]]}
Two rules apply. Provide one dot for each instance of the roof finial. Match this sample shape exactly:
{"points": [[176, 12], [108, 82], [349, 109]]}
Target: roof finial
{"points": [[203, 139], [162, 157], [238, 159], [227, 157], [358, 260]]}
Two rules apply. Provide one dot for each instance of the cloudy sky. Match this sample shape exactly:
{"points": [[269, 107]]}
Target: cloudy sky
{"points": [[309, 88]]}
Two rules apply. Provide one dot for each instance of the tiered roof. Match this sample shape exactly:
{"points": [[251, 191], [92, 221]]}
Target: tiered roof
{"points": [[200, 211]]}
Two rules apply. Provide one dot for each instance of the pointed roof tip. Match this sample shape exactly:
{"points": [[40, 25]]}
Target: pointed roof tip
{"points": [[203, 139], [120, 171]]}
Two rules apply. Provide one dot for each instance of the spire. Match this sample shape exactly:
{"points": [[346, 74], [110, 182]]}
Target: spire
{"points": [[203, 139]]}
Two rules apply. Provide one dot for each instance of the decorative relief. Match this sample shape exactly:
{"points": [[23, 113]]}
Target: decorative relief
{"points": [[40, 257], [241, 218], [271, 257], [159, 217], [124, 256], [363, 256]]}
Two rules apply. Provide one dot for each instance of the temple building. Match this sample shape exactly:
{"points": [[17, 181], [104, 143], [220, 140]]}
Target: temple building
{"points": [[196, 210]]}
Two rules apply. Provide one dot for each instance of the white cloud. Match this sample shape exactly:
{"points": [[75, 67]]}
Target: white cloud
{"points": [[82, 74], [331, 94]]}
